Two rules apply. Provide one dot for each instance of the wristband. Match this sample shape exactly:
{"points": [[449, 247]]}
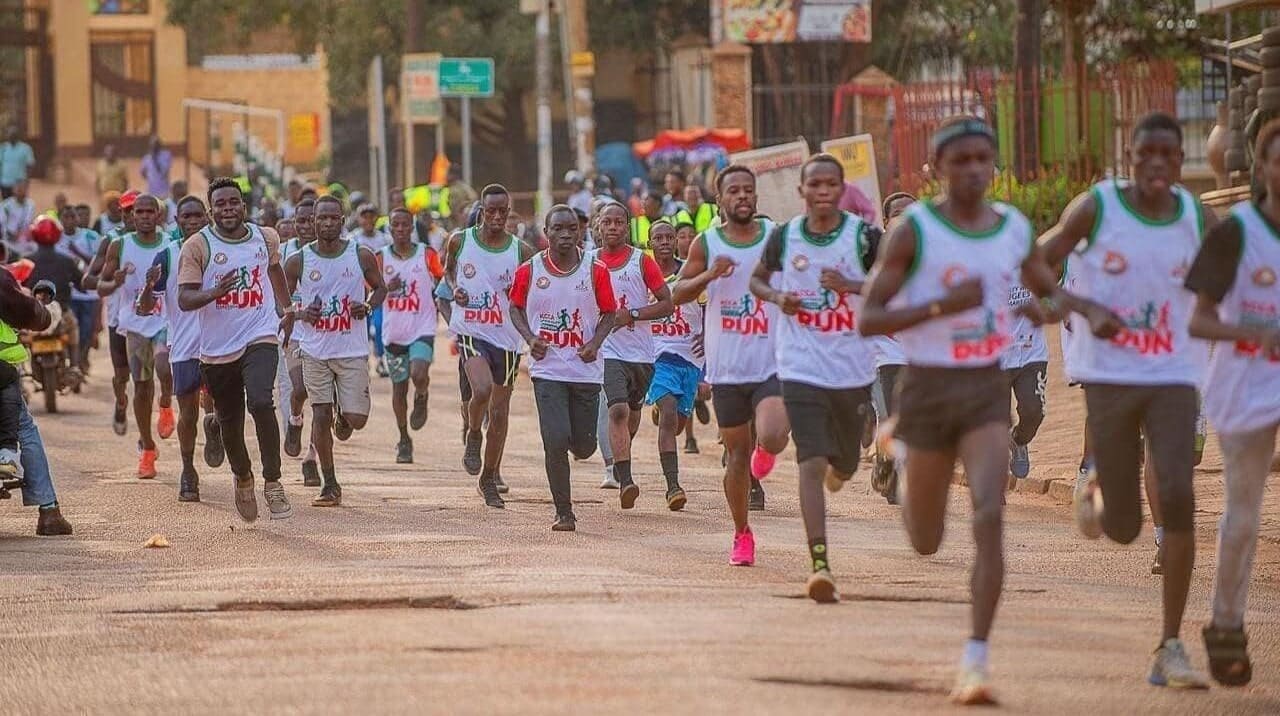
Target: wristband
{"points": [[935, 309]]}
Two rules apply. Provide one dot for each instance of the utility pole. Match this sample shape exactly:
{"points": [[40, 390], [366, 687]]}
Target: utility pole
{"points": [[415, 136], [542, 55], [1026, 39], [582, 75]]}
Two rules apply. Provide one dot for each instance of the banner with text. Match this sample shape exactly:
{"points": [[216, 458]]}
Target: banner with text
{"points": [[780, 21], [777, 177], [861, 178]]}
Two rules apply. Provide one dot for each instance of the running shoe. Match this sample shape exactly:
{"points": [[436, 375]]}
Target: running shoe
{"points": [[973, 687], [189, 487], [1228, 655], [1171, 667], [502, 486], [1019, 460], [166, 422], [755, 498], [147, 463], [471, 459], [418, 417], [676, 499], [744, 549], [565, 523], [834, 480], [628, 494], [341, 428], [119, 419], [292, 438], [1087, 502], [277, 502], [762, 462], [330, 496], [310, 473], [246, 502], [214, 453], [822, 587], [610, 482], [488, 489], [404, 452], [701, 412], [690, 445]]}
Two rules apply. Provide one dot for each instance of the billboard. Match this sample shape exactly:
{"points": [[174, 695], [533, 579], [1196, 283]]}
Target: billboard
{"points": [[777, 172], [776, 21], [857, 155]]}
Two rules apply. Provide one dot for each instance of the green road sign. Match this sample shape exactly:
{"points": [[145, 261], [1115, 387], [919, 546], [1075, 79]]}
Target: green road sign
{"points": [[466, 77]]}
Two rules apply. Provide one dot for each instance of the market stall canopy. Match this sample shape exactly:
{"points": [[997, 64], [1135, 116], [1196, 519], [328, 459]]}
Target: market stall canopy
{"points": [[1212, 6], [731, 140]]}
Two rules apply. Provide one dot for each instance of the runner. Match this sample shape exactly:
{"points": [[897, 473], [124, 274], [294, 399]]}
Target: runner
{"points": [[409, 324], [826, 367], [1026, 362], [741, 366], [628, 350], [184, 349], [330, 274], [890, 360], [947, 270], [480, 265], [370, 236], [1133, 244], [304, 225], [571, 298], [677, 372], [224, 277], [81, 244], [144, 334], [1234, 277], [115, 339], [685, 234]]}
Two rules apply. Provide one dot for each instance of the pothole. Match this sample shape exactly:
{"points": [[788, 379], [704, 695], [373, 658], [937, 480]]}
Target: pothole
{"points": [[884, 685], [447, 601]]}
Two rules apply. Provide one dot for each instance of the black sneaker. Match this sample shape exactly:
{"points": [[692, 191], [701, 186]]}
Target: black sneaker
{"points": [[330, 496], [418, 417], [341, 428], [488, 489], [189, 487], [755, 500], [502, 486], [310, 473], [471, 458], [628, 494], [690, 445], [701, 412], [292, 439], [404, 452], [120, 419], [565, 522], [214, 453], [676, 498]]}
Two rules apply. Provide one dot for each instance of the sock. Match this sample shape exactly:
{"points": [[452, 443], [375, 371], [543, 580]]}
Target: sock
{"points": [[295, 420], [188, 462], [1159, 535], [670, 468], [622, 469], [975, 654], [818, 553], [326, 471], [51, 506]]}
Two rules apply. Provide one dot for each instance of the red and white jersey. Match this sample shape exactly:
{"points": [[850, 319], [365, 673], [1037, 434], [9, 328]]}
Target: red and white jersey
{"points": [[675, 333], [410, 312], [136, 259], [486, 274], [947, 255], [564, 310], [1136, 267], [247, 314], [634, 279], [1242, 391], [338, 281], [739, 327]]}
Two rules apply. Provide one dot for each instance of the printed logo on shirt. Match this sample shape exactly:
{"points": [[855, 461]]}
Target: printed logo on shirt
{"points": [[1115, 263], [1180, 271], [1258, 314], [954, 275], [1019, 296], [246, 292], [219, 258], [315, 275], [976, 339], [404, 299], [800, 262], [542, 282], [335, 317], [561, 329], [469, 270], [825, 311], [483, 309], [1265, 276], [673, 326], [745, 316], [390, 270], [1146, 330]]}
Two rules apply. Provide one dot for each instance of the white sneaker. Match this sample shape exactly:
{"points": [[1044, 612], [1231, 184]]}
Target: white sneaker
{"points": [[610, 482], [1086, 501], [1171, 667]]}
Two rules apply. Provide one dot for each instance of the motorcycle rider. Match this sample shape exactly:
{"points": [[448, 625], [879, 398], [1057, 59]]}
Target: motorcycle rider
{"points": [[61, 272]]}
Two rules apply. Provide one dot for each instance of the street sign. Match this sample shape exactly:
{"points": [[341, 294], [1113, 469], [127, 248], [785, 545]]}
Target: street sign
{"points": [[466, 77], [420, 88]]}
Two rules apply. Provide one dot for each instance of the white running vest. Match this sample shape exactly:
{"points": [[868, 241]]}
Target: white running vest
{"points": [[247, 314], [85, 243], [1028, 345], [338, 281], [820, 345], [136, 260], [563, 311], [633, 343], [1242, 392], [113, 301], [945, 256], [410, 313], [739, 339], [888, 351], [486, 275], [675, 333], [184, 326], [1136, 267]]}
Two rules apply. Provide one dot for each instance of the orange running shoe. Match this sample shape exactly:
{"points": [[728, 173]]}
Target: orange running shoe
{"points": [[166, 423], [147, 464]]}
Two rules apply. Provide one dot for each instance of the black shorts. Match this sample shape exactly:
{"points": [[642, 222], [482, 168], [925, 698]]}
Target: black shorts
{"points": [[736, 403], [504, 365], [938, 406], [626, 382], [827, 422], [119, 348]]}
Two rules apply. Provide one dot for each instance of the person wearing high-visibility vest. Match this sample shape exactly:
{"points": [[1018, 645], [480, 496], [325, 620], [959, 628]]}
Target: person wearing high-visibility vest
{"points": [[702, 214], [641, 224], [429, 197]]}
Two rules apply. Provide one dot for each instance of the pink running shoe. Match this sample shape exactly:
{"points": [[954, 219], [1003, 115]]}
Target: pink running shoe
{"points": [[762, 462], [744, 549]]}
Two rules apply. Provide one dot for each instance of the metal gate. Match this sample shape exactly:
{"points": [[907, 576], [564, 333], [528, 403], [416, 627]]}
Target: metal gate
{"points": [[26, 78]]}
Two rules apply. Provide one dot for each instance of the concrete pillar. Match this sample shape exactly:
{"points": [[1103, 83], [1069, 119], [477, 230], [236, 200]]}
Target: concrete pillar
{"points": [[731, 85], [170, 79], [73, 110]]}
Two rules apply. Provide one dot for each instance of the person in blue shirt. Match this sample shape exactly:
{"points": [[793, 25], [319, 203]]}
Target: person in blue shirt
{"points": [[16, 160]]}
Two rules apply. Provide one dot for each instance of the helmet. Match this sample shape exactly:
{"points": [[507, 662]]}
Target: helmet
{"points": [[44, 284], [573, 176], [46, 231], [357, 198], [127, 199]]}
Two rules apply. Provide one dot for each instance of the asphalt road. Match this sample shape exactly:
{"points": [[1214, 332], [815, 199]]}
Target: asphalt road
{"points": [[415, 597]]}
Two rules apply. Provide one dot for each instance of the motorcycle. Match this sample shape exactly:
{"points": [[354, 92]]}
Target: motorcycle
{"points": [[51, 368]]}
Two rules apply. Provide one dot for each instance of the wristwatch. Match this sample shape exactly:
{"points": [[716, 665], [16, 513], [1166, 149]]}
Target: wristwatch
{"points": [[935, 309], [634, 313]]}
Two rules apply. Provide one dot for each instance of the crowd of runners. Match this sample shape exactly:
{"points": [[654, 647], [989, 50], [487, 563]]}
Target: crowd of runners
{"points": [[812, 329]]}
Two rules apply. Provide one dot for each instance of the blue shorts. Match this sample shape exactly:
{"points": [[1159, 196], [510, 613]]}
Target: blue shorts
{"points": [[399, 357], [186, 377], [675, 376]]}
